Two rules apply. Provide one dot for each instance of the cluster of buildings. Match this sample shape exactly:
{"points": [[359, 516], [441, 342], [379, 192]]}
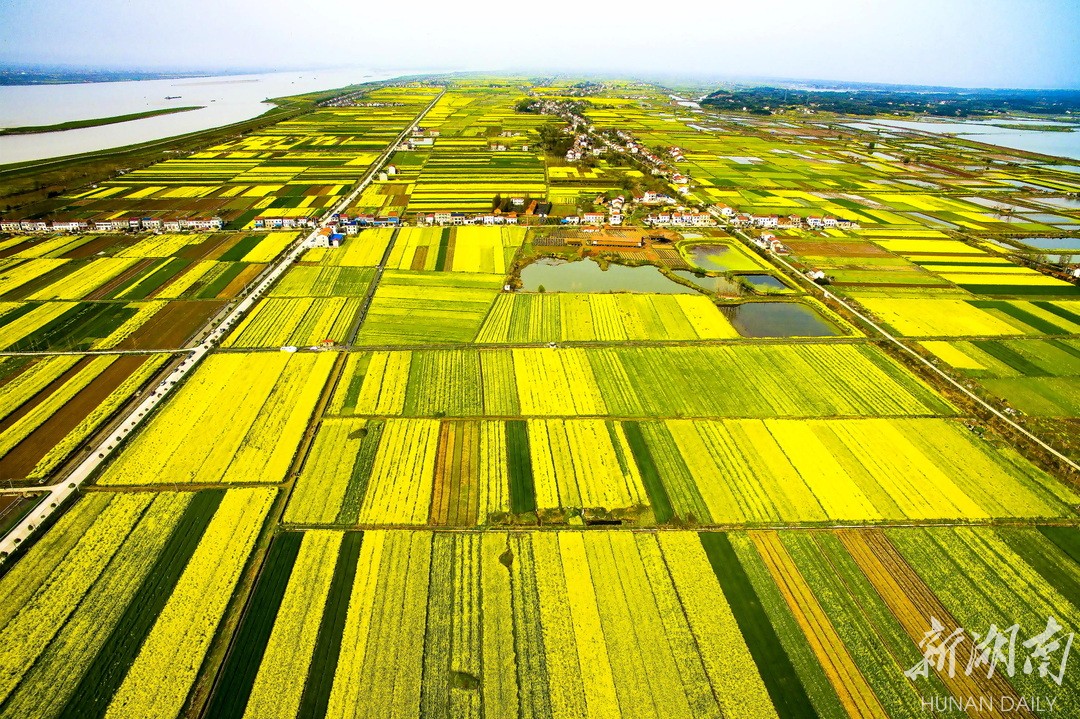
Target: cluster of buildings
{"points": [[794, 222], [525, 208], [767, 241], [614, 214], [685, 218], [583, 145], [419, 137], [658, 164], [131, 224], [327, 237], [282, 223], [652, 197], [350, 225]]}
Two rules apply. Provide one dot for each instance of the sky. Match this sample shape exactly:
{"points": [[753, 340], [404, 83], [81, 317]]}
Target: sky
{"points": [[961, 43]]}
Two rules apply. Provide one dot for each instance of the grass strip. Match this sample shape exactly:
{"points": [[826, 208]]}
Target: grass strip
{"points": [[650, 476], [781, 680], [522, 489], [242, 665], [320, 678]]}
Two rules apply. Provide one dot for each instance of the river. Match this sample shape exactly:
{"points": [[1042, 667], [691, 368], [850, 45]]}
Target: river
{"points": [[227, 99]]}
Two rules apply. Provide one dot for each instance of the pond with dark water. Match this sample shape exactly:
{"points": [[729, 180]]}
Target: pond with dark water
{"points": [[765, 283], [778, 319]]}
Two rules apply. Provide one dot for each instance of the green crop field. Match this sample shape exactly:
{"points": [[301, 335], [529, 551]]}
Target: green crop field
{"points": [[536, 466]]}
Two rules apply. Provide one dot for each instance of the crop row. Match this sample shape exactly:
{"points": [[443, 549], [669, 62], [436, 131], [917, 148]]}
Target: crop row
{"points": [[809, 380], [303, 321], [470, 472], [550, 625], [97, 614], [268, 399], [559, 317]]}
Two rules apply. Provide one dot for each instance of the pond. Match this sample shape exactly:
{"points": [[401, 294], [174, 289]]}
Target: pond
{"points": [[718, 285], [556, 275], [778, 319], [1052, 243], [765, 283], [718, 257], [1049, 219], [1061, 144], [1065, 203]]}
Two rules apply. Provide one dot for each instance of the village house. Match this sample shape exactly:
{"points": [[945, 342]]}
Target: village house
{"points": [[593, 218], [268, 223], [69, 226], [201, 223]]}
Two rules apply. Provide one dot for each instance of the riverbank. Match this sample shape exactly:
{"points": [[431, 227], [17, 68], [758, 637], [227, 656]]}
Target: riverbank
{"points": [[222, 101], [95, 122]]}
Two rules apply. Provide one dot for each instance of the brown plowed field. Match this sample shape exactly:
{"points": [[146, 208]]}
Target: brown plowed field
{"points": [[18, 463], [172, 325]]}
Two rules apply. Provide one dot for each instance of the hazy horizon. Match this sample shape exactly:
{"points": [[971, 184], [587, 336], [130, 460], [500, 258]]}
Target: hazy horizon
{"points": [[962, 43]]}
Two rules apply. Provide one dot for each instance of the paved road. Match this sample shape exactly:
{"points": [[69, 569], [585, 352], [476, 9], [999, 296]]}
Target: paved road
{"points": [[100, 454], [91, 353]]}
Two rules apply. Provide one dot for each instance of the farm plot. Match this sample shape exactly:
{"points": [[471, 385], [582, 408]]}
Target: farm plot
{"points": [[570, 317], [268, 399], [16, 275], [1004, 577], [364, 249], [315, 281], [34, 326], [54, 404], [1038, 377], [302, 321], [859, 644], [974, 318], [294, 168], [807, 380], [84, 278], [414, 308], [564, 624], [95, 613], [731, 472], [456, 249]]}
